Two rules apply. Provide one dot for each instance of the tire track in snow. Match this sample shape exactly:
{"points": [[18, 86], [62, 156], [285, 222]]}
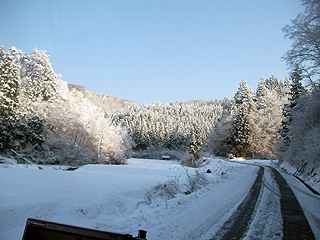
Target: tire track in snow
{"points": [[238, 223], [295, 224], [266, 220]]}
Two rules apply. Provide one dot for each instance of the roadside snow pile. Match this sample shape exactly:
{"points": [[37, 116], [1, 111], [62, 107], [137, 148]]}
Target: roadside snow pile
{"points": [[115, 197]]}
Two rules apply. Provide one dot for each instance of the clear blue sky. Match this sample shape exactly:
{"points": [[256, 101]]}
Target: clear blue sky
{"points": [[154, 50]]}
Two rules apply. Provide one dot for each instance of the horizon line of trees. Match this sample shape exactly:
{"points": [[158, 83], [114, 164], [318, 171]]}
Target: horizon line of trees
{"points": [[45, 120]]}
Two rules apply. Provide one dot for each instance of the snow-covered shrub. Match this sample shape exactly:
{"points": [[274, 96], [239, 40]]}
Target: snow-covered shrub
{"points": [[196, 181], [167, 190], [171, 188]]}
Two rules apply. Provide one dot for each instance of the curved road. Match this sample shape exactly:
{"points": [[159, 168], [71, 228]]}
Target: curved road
{"points": [[294, 222]]}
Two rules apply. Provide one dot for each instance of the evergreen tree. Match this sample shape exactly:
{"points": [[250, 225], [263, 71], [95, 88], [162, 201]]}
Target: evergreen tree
{"points": [[196, 144], [38, 76], [252, 123], [169, 126], [9, 93], [272, 83], [261, 93], [243, 105], [261, 89], [285, 88], [16, 130], [9, 84], [68, 130], [296, 92], [303, 150]]}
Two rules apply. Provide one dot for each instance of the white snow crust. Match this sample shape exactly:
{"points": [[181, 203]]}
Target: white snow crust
{"points": [[112, 198]]}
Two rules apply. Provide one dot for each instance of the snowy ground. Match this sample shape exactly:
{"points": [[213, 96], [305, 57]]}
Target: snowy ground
{"points": [[113, 198]]}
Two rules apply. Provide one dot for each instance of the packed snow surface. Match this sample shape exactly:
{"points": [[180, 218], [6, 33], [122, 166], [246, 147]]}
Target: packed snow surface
{"points": [[121, 198]]}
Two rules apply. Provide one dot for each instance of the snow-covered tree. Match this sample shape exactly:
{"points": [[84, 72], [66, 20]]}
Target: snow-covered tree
{"points": [[285, 87], [297, 91], [169, 126], [219, 139], [9, 101], [304, 31], [77, 131], [273, 84], [243, 106], [303, 150], [250, 127], [301, 127], [38, 76], [9, 84], [43, 120], [261, 89], [196, 144], [266, 123], [261, 92]]}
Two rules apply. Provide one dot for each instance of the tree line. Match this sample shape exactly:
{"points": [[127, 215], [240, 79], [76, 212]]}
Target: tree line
{"points": [[45, 120], [245, 126], [170, 126]]}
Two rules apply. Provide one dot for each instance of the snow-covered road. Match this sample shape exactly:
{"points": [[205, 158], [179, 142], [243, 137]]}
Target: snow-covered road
{"points": [[113, 198]]}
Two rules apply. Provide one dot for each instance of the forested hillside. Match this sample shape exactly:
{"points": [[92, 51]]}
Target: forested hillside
{"points": [[157, 128], [45, 121], [107, 103]]}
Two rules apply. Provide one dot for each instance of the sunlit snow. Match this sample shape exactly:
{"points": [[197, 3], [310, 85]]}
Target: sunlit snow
{"points": [[112, 197]]}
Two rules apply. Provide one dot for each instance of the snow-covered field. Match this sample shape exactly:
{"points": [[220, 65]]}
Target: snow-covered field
{"points": [[117, 198]]}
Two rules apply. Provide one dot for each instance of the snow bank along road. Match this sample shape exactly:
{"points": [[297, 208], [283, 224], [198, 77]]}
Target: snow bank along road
{"points": [[248, 201]]}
